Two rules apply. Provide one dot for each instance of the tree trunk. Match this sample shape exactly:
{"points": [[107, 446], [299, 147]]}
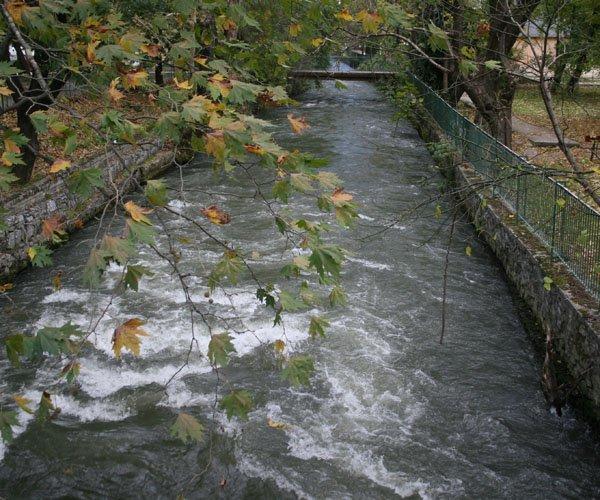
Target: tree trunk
{"points": [[26, 127], [158, 74]]}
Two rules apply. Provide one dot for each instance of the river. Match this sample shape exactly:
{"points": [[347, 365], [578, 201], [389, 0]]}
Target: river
{"points": [[390, 411]]}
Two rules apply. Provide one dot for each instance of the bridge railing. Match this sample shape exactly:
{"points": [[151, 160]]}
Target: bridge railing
{"points": [[566, 224]]}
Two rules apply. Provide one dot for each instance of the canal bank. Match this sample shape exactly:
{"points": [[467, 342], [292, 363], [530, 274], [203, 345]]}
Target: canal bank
{"points": [[569, 317]]}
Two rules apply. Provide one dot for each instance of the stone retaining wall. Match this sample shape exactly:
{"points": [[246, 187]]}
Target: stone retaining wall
{"points": [[28, 207], [567, 312]]}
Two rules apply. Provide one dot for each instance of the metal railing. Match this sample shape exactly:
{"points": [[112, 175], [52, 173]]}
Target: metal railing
{"points": [[566, 224]]}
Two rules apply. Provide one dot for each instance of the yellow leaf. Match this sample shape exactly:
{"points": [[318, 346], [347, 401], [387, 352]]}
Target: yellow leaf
{"points": [[127, 336], [339, 196], [31, 253], [57, 281], [185, 85], [113, 92], [344, 15], [279, 345], [370, 20], [90, 51], [5, 91], [6, 159], [214, 144], [134, 79], [6, 287], [59, 165], [295, 29], [299, 125], [469, 250], [201, 60], [16, 9], [23, 403], [216, 215], [138, 213], [276, 425], [317, 42]]}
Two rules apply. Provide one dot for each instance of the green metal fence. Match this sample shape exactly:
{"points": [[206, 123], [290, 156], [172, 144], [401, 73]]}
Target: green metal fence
{"points": [[568, 226]]}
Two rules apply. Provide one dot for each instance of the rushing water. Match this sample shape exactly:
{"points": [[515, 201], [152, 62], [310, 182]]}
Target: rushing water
{"points": [[390, 411]]}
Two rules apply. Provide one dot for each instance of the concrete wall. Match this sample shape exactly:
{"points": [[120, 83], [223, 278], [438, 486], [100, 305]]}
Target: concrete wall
{"points": [[30, 206], [567, 312]]}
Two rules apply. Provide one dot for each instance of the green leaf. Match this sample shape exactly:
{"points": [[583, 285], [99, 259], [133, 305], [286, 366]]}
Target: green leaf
{"points": [[317, 326], [290, 302], [8, 419], [340, 85], [282, 190], [118, 249], [219, 349], [140, 232], [156, 193], [337, 297], [39, 256], [237, 404], [7, 69], [298, 370], [6, 179], [134, 274], [229, 267], [15, 348], [187, 428], [45, 409], [438, 39], [327, 260], [83, 182], [94, 268], [548, 281], [492, 65]]}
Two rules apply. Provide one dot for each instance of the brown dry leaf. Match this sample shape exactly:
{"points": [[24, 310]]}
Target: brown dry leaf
{"points": [[134, 79], [78, 224], [59, 165], [276, 425], [138, 213], [51, 226], [127, 336], [5, 91], [299, 124], [340, 196], [114, 93], [11, 146], [216, 215], [151, 49], [6, 287]]}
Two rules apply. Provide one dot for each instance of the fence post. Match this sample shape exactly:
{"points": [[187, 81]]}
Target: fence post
{"points": [[554, 207]]}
